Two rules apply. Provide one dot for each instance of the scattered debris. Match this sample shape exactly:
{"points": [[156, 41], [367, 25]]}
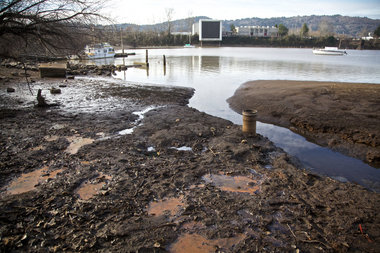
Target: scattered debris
{"points": [[226, 195]]}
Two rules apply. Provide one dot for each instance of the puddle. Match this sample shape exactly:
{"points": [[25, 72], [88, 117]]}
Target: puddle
{"points": [[170, 206], [198, 244], [76, 143], [27, 182], [89, 189], [234, 183], [50, 138]]}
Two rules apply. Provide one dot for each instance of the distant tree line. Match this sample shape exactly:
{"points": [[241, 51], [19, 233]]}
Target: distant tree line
{"points": [[300, 42], [134, 38], [326, 37]]}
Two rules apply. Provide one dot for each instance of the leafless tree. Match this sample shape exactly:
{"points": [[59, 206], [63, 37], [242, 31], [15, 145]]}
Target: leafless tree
{"points": [[326, 28], [45, 25], [169, 16]]}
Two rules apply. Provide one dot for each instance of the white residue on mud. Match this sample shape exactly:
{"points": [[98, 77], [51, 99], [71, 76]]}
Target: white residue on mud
{"points": [[127, 131], [151, 149], [183, 148], [137, 123]]}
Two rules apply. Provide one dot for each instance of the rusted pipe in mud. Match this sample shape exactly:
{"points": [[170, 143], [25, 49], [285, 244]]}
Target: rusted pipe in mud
{"points": [[249, 122]]}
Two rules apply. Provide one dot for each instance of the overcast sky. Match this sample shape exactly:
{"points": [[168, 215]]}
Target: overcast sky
{"points": [[153, 11]]}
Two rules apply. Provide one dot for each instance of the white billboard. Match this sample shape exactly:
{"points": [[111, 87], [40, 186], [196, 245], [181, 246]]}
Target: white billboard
{"points": [[210, 30]]}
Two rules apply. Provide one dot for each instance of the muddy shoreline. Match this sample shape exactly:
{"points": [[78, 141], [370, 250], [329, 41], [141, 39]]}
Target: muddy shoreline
{"points": [[153, 175], [342, 116]]}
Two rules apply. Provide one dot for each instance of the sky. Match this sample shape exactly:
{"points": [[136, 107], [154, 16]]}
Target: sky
{"points": [[154, 11]]}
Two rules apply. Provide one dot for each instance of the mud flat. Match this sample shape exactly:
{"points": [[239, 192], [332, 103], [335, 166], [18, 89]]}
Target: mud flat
{"points": [[178, 180], [342, 116]]}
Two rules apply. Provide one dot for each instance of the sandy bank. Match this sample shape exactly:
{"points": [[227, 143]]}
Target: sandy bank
{"points": [[343, 116], [153, 175]]}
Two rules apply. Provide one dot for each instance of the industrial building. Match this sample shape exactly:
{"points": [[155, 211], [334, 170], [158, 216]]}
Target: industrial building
{"points": [[257, 31]]}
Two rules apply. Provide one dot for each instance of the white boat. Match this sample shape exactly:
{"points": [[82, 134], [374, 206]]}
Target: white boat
{"points": [[329, 51], [188, 46], [99, 50]]}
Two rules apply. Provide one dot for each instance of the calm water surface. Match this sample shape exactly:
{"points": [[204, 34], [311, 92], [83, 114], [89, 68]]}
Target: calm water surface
{"points": [[216, 73]]}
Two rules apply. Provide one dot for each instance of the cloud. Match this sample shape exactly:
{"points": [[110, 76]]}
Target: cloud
{"points": [[153, 11]]}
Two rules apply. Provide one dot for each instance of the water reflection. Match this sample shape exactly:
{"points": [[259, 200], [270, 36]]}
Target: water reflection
{"points": [[210, 63], [216, 73], [322, 160]]}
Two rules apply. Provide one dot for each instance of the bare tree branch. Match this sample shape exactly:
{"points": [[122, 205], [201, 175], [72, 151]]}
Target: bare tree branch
{"points": [[50, 24]]}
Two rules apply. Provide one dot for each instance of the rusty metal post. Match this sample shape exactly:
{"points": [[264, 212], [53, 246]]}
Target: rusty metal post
{"points": [[249, 122]]}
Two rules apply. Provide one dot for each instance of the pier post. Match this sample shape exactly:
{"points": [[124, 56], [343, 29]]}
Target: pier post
{"points": [[164, 65], [146, 58]]}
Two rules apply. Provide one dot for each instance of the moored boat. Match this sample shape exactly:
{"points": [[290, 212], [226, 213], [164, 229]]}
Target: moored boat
{"points": [[329, 51], [188, 46], [99, 50]]}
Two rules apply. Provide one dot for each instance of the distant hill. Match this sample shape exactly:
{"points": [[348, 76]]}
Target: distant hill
{"points": [[180, 25], [351, 26]]}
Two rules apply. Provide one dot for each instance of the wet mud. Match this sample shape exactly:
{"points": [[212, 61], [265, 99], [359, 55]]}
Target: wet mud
{"points": [[181, 181], [342, 116]]}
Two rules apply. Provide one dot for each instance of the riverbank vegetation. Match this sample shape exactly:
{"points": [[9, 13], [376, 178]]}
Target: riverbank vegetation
{"points": [[144, 39], [304, 38], [300, 42]]}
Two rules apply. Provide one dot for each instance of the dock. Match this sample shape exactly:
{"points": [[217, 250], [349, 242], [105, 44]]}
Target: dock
{"points": [[119, 55], [53, 70]]}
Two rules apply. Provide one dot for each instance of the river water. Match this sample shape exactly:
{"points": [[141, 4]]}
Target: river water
{"points": [[216, 73]]}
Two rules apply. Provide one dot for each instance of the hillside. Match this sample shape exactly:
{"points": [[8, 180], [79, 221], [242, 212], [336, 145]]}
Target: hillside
{"points": [[180, 25], [351, 26]]}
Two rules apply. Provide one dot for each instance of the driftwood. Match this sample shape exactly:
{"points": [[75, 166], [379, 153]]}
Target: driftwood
{"points": [[41, 99]]}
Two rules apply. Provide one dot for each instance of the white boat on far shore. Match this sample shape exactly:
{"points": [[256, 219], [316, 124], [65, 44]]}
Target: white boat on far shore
{"points": [[100, 50], [329, 51]]}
